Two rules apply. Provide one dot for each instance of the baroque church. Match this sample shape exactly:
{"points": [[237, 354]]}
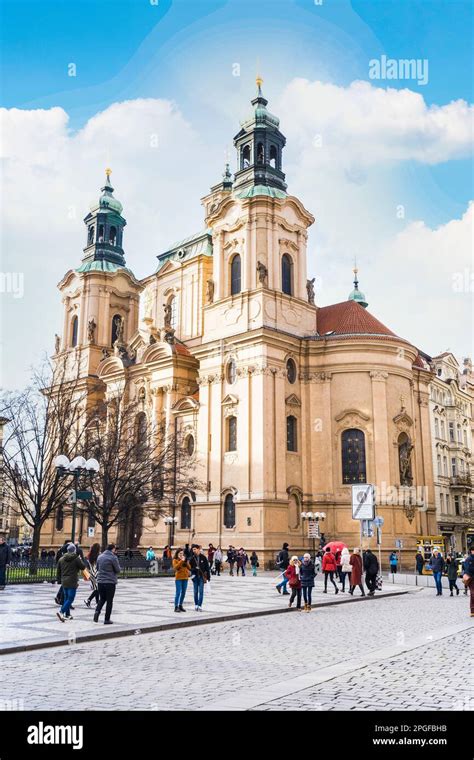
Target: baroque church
{"points": [[282, 404]]}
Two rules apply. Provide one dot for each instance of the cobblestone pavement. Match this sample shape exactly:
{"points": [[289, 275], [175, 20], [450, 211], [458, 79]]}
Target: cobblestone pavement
{"points": [[28, 612], [407, 652]]}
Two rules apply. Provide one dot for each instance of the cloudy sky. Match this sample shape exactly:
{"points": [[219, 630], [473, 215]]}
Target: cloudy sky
{"points": [[158, 92]]}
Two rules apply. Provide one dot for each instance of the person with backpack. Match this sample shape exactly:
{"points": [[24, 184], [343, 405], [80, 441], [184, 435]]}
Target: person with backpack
{"points": [[282, 562], [307, 575], [393, 560], [329, 568], [91, 563], [371, 567], [67, 573], [231, 557], [254, 562], [59, 598]]}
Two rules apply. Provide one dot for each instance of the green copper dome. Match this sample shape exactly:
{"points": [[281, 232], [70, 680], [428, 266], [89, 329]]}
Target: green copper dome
{"points": [[107, 202], [356, 294]]}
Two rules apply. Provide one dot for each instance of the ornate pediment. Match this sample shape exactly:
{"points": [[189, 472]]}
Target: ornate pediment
{"points": [[351, 416], [403, 419], [292, 400], [234, 243], [230, 400], [286, 243]]}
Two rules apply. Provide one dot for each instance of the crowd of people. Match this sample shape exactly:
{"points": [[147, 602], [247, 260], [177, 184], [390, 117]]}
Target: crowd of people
{"points": [[340, 568]]}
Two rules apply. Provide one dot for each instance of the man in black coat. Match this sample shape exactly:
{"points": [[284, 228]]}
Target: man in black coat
{"points": [[5, 559], [200, 574], [283, 560], [371, 567]]}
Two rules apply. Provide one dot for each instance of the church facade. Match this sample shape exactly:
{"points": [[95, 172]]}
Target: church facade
{"points": [[283, 405]]}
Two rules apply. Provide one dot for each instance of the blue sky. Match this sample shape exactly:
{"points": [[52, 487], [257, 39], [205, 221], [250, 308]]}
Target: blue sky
{"points": [[184, 52]]}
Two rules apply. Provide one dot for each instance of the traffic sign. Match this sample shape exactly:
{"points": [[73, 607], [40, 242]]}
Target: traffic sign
{"points": [[313, 529], [399, 543], [90, 532], [363, 502], [84, 495], [378, 522]]}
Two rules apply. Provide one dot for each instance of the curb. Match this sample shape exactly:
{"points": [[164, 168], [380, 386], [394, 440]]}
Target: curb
{"points": [[133, 631]]}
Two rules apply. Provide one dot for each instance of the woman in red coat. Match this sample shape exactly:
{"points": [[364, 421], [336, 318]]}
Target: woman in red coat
{"points": [[356, 574], [292, 572], [329, 568]]}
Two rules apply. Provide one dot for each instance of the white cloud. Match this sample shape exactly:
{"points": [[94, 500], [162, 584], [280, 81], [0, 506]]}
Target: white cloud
{"points": [[366, 125], [51, 175]]}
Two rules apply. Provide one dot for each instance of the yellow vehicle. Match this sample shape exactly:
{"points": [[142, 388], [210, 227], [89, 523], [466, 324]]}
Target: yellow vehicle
{"points": [[426, 545]]}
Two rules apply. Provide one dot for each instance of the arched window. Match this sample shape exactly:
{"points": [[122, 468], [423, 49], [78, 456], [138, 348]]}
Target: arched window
{"points": [[291, 433], [90, 234], [291, 371], [174, 312], [260, 153], [232, 434], [273, 157], [189, 445], [113, 235], [100, 234], [245, 157], [59, 518], [186, 514], [353, 456], [140, 428], [231, 372], [229, 511], [117, 328], [287, 275], [235, 275], [404, 459], [74, 331]]}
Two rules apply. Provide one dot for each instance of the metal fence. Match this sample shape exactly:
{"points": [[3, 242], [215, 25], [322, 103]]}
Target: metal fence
{"points": [[44, 570]]}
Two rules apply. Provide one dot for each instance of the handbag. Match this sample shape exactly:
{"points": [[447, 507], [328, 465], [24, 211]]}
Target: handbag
{"points": [[86, 575]]}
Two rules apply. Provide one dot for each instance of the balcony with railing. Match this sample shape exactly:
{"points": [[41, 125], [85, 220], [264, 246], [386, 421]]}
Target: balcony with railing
{"points": [[460, 481]]}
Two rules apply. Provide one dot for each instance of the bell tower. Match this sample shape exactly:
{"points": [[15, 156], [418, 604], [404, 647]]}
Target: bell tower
{"points": [[101, 296], [259, 147]]}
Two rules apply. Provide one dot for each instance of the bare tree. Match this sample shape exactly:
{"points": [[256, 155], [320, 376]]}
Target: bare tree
{"points": [[44, 420], [143, 465]]}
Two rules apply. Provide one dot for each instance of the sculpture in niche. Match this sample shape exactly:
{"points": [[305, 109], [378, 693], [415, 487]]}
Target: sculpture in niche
{"points": [[404, 458], [262, 272], [310, 290], [91, 325], [210, 291]]}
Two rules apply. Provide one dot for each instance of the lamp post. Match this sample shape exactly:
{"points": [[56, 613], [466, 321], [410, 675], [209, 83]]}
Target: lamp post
{"points": [[170, 522], [79, 466], [313, 526]]}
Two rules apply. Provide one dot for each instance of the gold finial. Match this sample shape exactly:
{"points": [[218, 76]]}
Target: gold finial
{"points": [[259, 80], [108, 172]]}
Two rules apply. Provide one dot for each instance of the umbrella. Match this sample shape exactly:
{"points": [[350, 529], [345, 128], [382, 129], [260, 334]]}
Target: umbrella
{"points": [[336, 546]]}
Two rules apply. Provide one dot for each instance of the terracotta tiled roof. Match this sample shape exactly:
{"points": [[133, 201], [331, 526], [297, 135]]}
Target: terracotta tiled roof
{"points": [[349, 318], [180, 348], [419, 362]]}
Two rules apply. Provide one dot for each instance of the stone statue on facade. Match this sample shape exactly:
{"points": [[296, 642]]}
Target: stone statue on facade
{"points": [[210, 291], [57, 344], [262, 272], [119, 324], [168, 311], [91, 325], [310, 290], [405, 450]]}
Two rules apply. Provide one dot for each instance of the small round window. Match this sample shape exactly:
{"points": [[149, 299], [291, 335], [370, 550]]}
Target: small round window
{"points": [[190, 445], [231, 372], [291, 371]]}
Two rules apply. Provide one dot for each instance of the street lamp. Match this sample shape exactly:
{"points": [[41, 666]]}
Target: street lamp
{"points": [[313, 526], [79, 466], [171, 522]]}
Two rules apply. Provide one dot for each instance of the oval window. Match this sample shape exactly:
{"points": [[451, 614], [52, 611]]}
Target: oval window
{"points": [[291, 371], [190, 445]]}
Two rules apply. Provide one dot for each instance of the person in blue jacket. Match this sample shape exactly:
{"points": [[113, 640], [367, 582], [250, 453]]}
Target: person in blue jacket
{"points": [[393, 559]]}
